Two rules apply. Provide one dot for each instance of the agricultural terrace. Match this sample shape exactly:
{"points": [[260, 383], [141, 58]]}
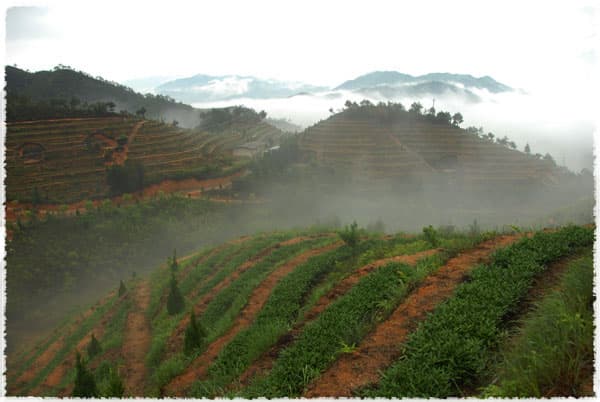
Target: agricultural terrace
{"points": [[290, 314], [66, 160], [405, 144]]}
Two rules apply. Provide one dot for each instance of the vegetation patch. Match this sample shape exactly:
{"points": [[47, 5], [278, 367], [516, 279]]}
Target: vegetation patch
{"points": [[448, 351]]}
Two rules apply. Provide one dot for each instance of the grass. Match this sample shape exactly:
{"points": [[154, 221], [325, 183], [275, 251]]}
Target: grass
{"points": [[448, 351], [345, 322], [224, 308], [69, 344], [552, 351]]}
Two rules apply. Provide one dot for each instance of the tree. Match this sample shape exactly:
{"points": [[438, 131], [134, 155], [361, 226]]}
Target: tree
{"points": [[173, 263], [457, 120], [194, 335], [527, 149], [549, 158], [93, 347], [122, 289], [416, 108], [141, 112], [175, 123], [175, 301], [350, 235], [85, 384]]}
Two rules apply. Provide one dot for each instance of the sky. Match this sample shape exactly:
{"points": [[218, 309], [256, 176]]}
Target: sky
{"points": [[547, 49], [522, 44]]}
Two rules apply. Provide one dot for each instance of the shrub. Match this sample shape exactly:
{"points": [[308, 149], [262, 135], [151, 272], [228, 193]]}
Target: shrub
{"points": [[93, 347], [85, 384], [175, 301], [431, 236], [122, 289], [350, 235], [194, 335]]}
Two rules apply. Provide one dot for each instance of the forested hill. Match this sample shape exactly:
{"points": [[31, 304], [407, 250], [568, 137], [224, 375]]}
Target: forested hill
{"points": [[69, 87]]}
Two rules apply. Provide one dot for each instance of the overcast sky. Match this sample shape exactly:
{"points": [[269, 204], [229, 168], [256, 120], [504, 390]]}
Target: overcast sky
{"points": [[526, 44]]}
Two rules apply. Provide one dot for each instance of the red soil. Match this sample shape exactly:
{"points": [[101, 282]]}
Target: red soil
{"points": [[119, 158], [258, 298], [46, 357], [175, 342], [266, 361], [136, 343], [381, 347]]}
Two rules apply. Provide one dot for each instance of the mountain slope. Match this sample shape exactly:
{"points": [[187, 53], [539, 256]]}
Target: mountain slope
{"points": [[65, 84]]}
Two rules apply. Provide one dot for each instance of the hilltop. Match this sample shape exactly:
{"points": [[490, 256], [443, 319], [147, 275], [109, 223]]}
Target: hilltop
{"points": [[64, 84]]}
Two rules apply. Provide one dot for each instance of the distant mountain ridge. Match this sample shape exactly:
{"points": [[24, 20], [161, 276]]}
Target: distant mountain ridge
{"points": [[380, 84], [387, 78], [208, 88]]}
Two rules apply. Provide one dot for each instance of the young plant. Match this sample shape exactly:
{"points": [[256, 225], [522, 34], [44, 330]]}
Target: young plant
{"points": [[85, 384], [175, 301], [93, 347], [194, 335], [350, 235]]}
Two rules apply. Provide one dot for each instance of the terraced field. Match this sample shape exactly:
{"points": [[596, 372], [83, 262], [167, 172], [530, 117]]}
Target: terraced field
{"points": [[383, 150], [65, 160], [306, 314]]}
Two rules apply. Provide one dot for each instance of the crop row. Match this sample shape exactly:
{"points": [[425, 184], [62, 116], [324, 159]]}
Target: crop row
{"points": [[448, 351], [343, 324]]}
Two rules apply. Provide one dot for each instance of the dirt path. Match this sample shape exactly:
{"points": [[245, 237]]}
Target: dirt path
{"points": [[256, 301], [266, 361], [48, 355], [381, 347], [119, 158], [136, 342]]}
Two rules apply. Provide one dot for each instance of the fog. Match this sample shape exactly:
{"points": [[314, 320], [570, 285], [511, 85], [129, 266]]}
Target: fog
{"points": [[564, 128]]}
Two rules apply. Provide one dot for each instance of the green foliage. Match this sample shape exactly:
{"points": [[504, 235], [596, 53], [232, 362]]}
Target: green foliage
{"points": [[175, 300], [85, 384], [110, 384], [275, 318], [194, 336], [346, 321], [431, 236], [122, 289], [554, 346], [93, 347], [449, 349], [350, 235]]}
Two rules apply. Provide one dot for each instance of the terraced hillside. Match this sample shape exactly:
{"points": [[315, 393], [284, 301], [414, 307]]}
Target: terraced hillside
{"points": [[382, 148], [66, 160], [307, 314]]}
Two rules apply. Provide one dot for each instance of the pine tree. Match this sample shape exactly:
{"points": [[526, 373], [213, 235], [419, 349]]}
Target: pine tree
{"points": [[122, 289], [194, 335], [93, 347], [85, 384], [175, 301], [174, 264]]}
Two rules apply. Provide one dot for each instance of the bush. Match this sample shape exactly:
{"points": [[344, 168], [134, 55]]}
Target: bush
{"points": [[431, 236], [175, 301], [126, 178], [93, 347], [194, 335], [85, 384], [122, 289], [350, 235]]}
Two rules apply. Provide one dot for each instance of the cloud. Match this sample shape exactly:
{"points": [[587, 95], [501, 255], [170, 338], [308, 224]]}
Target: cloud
{"points": [[27, 23]]}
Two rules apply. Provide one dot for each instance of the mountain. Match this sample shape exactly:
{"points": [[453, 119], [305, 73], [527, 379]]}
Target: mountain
{"points": [[208, 88], [394, 78], [65, 84], [147, 84]]}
